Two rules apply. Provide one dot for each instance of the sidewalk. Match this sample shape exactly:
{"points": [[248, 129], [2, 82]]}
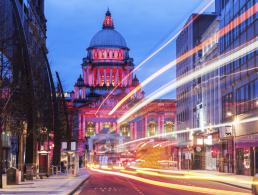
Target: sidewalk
{"points": [[55, 184], [241, 181]]}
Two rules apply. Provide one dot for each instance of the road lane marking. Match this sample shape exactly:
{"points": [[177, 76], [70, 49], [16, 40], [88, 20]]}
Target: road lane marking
{"points": [[169, 185]]}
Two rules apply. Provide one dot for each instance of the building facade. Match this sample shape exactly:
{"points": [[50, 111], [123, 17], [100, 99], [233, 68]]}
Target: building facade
{"points": [[207, 98], [30, 14], [109, 68], [189, 95], [239, 81]]}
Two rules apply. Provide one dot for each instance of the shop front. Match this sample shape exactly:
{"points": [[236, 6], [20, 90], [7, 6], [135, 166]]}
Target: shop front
{"points": [[211, 145], [247, 155]]}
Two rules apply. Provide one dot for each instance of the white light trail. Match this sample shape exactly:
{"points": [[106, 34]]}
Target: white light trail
{"points": [[204, 70], [160, 71], [194, 129]]}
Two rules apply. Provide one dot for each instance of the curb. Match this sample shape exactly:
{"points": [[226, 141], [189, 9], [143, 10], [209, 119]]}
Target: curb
{"points": [[232, 185], [80, 184]]}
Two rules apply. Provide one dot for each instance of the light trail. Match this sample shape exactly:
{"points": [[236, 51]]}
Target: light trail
{"points": [[139, 86], [116, 167], [172, 186], [125, 171], [105, 167], [217, 35], [204, 70], [148, 171], [189, 130]]}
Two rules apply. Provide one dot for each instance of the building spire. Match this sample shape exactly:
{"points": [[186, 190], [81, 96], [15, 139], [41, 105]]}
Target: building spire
{"points": [[108, 22]]}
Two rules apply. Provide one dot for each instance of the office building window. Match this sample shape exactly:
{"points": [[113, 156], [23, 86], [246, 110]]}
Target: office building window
{"points": [[236, 29], [222, 42], [254, 94], [227, 106], [242, 20], [242, 99], [243, 58], [255, 9], [228, 69], [236, 63], [222, 71], [250, 13]]}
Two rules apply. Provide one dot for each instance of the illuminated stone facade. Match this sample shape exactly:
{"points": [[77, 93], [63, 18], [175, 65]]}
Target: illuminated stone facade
{"points": [[107, 68]]}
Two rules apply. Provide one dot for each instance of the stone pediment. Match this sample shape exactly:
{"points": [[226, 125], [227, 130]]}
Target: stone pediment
{"points": [[110, 102]]}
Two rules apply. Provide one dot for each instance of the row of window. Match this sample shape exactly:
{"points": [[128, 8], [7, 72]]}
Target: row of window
{"points": [[230, 67], [246, 99], [183, 97], [240, 25], [183, 116], [103, 55]]}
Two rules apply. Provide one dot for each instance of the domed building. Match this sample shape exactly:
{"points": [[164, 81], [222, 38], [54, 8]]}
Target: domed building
{"points": [[109, 68], [106, 68], [106, 65]]}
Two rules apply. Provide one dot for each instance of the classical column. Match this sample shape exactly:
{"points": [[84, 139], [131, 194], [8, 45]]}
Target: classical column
{"points": [[159, 126], [162, 124], [85, 76], [98, 78], [118, 128], [146, 126], [97, 127], [92, 75], [111, 78], [128, 76], [135, 130], [131, 77], [83, 127], [123, 82], [117, 78], [105, 76], [100, 126], [80, 126], [89, 76], [131, 131]]}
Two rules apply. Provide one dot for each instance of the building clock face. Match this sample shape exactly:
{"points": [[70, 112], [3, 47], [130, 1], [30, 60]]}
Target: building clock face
{"points": [[198, 149]]}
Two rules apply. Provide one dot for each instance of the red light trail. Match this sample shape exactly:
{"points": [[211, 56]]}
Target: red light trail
{"points": [[170, 185], [217, 35], [139, 86]]}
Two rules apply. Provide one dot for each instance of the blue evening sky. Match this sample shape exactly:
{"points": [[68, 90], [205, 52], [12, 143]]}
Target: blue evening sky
{"points": [[145, 25]]}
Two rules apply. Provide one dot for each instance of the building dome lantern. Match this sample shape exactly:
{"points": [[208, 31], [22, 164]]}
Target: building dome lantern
{"points": [[80, 81], [108, 37], [135, 81]]}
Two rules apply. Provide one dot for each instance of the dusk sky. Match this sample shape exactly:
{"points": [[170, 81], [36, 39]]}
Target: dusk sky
{"points": [[145, 25]]}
